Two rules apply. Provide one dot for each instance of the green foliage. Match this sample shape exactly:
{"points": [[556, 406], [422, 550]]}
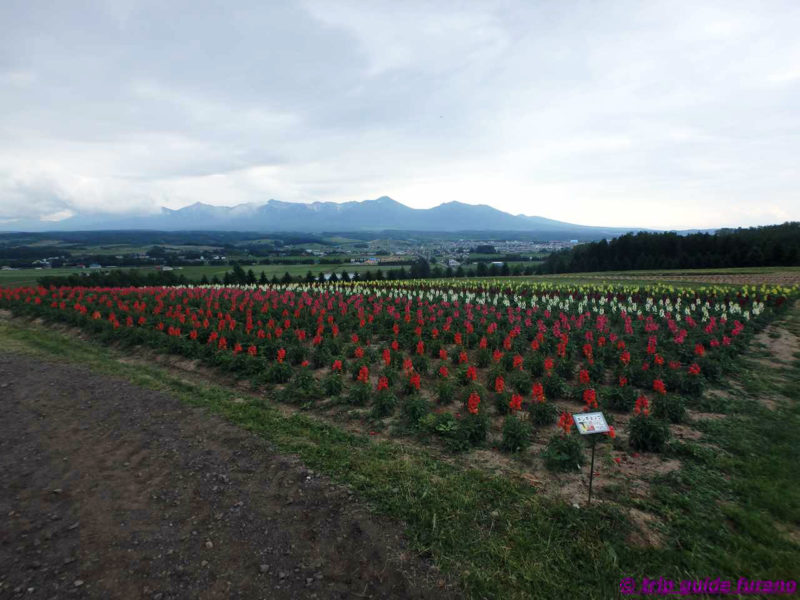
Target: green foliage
{"points": [[670, 407], [757, 246], [383, 404], [421, 364], [535, 364], [564, 453], [414, 408], [333, 384], [501, 402], [618, 398], [554, 386], [647, 433], [519, 381], [516, 434], [279, 372], [543, 413], [691, 385], [445, 391], [321, 357], [472, 429], [565, 369], [359, 394]]}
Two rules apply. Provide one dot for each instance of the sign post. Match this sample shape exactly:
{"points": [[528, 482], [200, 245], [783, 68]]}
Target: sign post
{"points": [[590, 424]]}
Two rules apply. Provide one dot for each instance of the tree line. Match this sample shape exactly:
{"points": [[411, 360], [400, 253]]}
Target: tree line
{"points": [[772, 245]]}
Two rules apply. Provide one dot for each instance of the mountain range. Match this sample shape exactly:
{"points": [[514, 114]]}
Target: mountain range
{"points": [[381, 214]]}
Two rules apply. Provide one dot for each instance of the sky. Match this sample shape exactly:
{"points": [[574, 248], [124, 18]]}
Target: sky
{"points": [[633, 114]]}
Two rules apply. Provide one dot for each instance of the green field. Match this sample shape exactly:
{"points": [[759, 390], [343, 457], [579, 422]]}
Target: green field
{"points": [[30, 276]]}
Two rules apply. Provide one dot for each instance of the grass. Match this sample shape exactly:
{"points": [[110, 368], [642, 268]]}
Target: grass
{"points": [[729, 512], [19, 277]]}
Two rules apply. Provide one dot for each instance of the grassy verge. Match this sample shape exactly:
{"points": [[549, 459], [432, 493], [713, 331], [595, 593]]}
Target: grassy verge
{"points": [[731, 511]]}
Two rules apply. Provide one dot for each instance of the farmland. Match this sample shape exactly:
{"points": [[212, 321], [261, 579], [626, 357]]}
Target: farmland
{"points": [[448, 404]]}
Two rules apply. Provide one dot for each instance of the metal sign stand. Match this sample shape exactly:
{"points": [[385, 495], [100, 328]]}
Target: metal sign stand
{"points": [[591, 469], [591, 424]]}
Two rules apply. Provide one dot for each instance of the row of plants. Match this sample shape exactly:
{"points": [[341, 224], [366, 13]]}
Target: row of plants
{"points": [[455, 361]]}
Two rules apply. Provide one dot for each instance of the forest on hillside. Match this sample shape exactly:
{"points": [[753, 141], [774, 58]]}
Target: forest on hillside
{"points": [[772, 245]]}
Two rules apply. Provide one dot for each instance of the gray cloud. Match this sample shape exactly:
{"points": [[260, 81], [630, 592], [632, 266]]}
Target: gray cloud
{"points": [[625, 113]]}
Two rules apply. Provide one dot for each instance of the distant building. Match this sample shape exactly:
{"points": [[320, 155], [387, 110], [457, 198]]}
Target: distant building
{"points": [[496, 263], [453, 263], [95, 266]]}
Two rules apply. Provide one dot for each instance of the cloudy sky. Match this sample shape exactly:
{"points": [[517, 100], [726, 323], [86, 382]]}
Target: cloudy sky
{"points": [[643, 114]]}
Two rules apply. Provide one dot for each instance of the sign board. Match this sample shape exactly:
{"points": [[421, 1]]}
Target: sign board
{"points": [[588, 423]]}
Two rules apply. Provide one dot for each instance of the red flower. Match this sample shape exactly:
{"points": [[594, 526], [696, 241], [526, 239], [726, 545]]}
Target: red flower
{"points": [[472, 403], [363, 374], [387, 357], [625, 358], [499, 385], [443, 372], [518, 362], [304, 363], [414, 380], [642, 406], [337, 366], [515, 403], [548, 364], [383, 384], [565, 422], [699, 350], [281, 355], [583, 376], [420, 347], [537, 392], [623, 381], [442, 354], [694, 369], [359, 352], [611, 433], [472, 373], [658, 386], [497, 355], [590, 399], [462, 357]]}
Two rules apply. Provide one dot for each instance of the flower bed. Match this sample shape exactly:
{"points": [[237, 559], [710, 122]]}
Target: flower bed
{"points": [[466, 362]]}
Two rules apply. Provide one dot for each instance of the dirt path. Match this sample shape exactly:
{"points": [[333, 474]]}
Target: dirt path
{"points": [[108, 490]]}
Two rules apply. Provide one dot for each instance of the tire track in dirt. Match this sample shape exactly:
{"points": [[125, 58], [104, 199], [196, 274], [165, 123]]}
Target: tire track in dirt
{"points": [[109, 490]]}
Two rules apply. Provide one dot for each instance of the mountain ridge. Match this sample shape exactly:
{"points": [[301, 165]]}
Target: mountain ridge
{"points": [[379, 214]]}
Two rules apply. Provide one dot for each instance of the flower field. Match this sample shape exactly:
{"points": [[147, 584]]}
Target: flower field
{"points": [[469, 364]]}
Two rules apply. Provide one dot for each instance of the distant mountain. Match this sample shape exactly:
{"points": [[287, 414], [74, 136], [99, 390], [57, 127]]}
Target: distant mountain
{"points": [[369, 215]]}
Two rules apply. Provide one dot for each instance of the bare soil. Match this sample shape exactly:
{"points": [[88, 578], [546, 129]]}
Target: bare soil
{"points": [[109, 490]]}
